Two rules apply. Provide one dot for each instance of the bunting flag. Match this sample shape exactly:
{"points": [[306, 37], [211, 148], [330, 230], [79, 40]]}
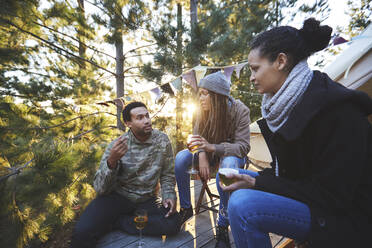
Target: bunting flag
{"points": [[156, 93], [238, 68], [190, 79], [167, 89], [338, 40], [228, 71], [177, 84], [200, 72]]}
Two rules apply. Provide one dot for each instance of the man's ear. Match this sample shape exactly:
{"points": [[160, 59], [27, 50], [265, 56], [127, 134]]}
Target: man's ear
{"points": [[128, 124], [282, 61]]}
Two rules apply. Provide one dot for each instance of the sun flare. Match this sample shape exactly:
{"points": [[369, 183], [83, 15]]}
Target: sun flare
{"points": [[189, 110]]}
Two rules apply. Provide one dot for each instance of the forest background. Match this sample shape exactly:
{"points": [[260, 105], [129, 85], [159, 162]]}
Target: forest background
{"points": [[64, 62]]}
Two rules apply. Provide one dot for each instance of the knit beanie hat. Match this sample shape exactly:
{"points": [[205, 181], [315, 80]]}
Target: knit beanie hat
{"points": [[216, 82]]}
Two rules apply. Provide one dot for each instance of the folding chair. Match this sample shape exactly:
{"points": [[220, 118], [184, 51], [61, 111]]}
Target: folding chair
{"points": [[204, 189]]}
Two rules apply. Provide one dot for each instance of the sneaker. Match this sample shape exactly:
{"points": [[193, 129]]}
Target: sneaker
{"points": [[186, 213], [222, 236]]}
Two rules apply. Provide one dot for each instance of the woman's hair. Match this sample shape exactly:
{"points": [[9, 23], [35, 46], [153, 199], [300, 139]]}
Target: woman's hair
{"points": [[212, 124], [296, 44]]}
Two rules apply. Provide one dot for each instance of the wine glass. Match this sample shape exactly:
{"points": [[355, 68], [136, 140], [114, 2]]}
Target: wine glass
{"points": [[140, 220], [193, 150]]}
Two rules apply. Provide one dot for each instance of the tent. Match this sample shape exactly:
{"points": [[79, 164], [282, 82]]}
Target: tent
{"points": [[353, 67], [259, 153]]}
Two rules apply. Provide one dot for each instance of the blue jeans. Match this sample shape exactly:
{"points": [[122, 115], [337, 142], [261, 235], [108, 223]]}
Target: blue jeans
{"points": [[115, 212], [182, 165], [253, 214]]}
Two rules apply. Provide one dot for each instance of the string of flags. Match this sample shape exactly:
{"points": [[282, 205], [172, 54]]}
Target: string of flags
{"points": [[192, 77]]}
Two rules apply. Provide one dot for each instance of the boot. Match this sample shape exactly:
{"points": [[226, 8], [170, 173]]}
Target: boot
{"points": [[186, 213], [222, 237]]}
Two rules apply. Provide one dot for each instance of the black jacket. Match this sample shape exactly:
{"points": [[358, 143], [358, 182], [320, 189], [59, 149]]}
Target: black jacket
{"points": [[324, 152]]}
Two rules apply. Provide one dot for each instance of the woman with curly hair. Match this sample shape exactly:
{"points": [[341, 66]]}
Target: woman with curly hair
{"points": [[319, 187]]}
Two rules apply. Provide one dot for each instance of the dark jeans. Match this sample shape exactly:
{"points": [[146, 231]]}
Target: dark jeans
{"points": [[115, 212]]}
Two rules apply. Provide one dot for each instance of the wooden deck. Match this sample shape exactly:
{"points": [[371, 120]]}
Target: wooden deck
{"points": [[198, 232]]}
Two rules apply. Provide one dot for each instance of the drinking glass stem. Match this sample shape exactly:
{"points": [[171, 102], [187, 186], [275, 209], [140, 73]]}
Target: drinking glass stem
{"points": [[192, 162]]}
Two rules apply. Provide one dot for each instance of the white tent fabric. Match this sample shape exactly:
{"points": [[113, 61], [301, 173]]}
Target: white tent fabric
{"points": [[259, 153], [353, 67]]}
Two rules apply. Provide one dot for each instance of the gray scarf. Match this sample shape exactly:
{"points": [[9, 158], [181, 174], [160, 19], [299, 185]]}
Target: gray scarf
{"points": [[276, 108]]}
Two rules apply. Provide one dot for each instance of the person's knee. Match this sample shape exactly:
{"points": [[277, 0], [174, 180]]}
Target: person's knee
{"points": [[235, 203], [230, 162], [81, 235], [180, 161], [244, 200], [172, 224]]}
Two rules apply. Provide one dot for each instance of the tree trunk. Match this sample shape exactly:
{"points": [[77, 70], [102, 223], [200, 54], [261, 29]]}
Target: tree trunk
{"points": [[195, 61], [193, 13], [193, 23], [179, 145], [119, 78], [82, 47]]}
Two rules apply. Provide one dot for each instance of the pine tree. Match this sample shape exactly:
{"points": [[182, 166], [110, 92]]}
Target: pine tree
{"points": [[120, 18], [360, 13], [46, 161]]}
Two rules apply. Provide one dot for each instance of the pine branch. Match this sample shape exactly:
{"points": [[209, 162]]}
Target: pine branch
{"points": [[57, 47], [160, 108], [138, 55], [103, 10], [8, 168], [16, 170], [130, 68], [69, 36], [89, 131], [73, 38], [61, 124], [134, 75], [134, 49], [27, 71], [5, 93]]}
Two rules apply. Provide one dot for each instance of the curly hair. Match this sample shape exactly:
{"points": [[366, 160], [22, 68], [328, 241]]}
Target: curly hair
{"points": [[297, 44]]}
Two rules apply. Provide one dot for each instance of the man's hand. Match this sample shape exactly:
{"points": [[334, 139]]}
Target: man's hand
{"points": [[171, 204], [204, 166], [243, 181], [202, 143], [118, 150]]}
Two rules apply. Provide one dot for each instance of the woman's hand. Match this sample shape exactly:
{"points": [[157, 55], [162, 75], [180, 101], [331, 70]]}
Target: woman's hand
{"points": [[242, 181], [201, 143], [204, 166]]}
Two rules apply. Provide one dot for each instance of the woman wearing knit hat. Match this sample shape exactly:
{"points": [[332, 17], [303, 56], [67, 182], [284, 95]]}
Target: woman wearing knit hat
{"points": [[222, 125], [318, 190]]}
